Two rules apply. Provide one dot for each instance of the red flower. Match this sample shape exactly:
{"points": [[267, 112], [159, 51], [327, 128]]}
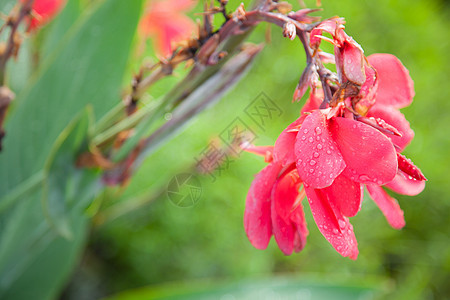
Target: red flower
{"points": [[43, 11], [330, 154], [164, 20]]}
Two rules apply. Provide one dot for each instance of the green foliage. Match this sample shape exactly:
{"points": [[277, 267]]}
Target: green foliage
{"points": [[158, 242], [39, 244]]}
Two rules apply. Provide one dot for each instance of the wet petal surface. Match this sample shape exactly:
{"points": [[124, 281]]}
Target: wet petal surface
{"points": [[369, 155], [346, 194], [388, 205], [319, 161]]}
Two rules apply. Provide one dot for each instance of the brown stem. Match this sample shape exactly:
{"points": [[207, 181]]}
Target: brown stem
{"points": [[11, 46]]}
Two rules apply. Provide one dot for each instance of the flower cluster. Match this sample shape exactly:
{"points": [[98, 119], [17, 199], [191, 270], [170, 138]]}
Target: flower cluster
{"points": [[350, 134]]}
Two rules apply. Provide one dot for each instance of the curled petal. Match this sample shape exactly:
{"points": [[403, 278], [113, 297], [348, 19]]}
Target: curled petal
{"points": [[346, 194], [304, 82], [283, 232], [332, 224], [406, 165], [283, 151], [404, 185], [367, 92], [369, 155], [353, 63], [319, 161], [284, 194], [395, 86], [257, 218], [388, 205], [395, 118]]}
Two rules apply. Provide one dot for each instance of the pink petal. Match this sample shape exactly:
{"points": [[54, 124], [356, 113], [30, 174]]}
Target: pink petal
{"points": [[370, 156], [283, 232], [395, 86], [367, 92], [319, 161], [257, 218], [346, 194], [388, 205], [283, 151], [404, 185], [353, 64], [332, 224], [298, 218], [313, 102], [265, 151], [395, 118], [284, 194], [406, 165]]}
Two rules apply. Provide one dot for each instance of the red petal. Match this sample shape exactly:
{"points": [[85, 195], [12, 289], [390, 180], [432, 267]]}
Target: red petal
{"points": [[406, 165], [395, 118], [332, 224], [370, 156], [404, 185], [257, 218], [298, 218], [353, 64], [283, 232], [395, 86], [284, 194], [388, 205], [283, 151], [314, 101], [347, 195], [319, 161]]}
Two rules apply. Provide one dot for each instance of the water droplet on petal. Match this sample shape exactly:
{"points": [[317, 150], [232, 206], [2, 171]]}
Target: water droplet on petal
{"points": [[311, 139], [312, 162], [311, 171], [318, 138], [349, 231], [305, 131], [364, 178], [331, 176], [318, 130], [325, 227], [319, 146], [379, 182], [335, 231], [316, 154], [303, 138], [328, 152], [300, 160], [341, 223]]}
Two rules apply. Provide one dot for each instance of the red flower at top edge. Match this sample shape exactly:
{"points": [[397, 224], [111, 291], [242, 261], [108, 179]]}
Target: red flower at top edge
{"points": [[43, 11], [165, 21]]}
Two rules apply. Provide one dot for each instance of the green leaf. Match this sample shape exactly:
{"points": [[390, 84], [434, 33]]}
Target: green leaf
{"points": [[86, 67], [275, 288]]}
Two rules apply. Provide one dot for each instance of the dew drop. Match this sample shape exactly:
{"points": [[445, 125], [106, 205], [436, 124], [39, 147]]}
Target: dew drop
{"points": [[379, 182], [311, 139], [311, 171], [341, 223], [328, 152], [331, 147], [331, 176], [305, 131], [304, 164], [325, 227], [303, 138], [323, 140], [354, 126], [319, 146], [318, 138], [364, 178], [318, 130], [300, 160], [316, 154], [335, 231], [349, 231], [312, 162]]}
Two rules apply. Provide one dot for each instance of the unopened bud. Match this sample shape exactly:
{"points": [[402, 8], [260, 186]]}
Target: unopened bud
{"points": [[289, 30]]}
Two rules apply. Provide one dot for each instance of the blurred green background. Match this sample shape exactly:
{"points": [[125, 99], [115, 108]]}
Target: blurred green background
{"points": [[141, 245]]}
